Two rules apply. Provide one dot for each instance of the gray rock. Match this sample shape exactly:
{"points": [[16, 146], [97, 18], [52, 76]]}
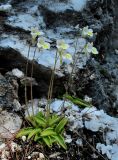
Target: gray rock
{"points": [[58, 20], [7, 93], [9, 124]]}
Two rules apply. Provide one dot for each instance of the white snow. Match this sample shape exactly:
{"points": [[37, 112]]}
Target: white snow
{"points": [[57, 105], [110, 150], [68, 139], [99, 121], [114, 152], [35, 104], [25, 21], [79, 142], [5, 7], [45, 57], [94, 120], [105, 149], [16, 72], [78, 5], [57, 6]]}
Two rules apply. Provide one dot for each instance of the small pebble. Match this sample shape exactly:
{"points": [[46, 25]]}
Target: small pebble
{"points": [[41, 155], [24, 138]]}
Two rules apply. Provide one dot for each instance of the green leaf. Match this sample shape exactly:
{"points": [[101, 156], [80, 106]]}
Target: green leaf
{"points": [[31, 120], [52, 139], [37, 137], [60, 56], [77, 101], [54, 119], [47, 132], [40, 114], [35, 131], [61, 125], [60, 141], [24, 132], [47, 141], [41, 117], [40, 121]]}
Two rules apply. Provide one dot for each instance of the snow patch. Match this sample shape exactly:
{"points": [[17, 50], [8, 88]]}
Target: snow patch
{"points": [[56, 6], [94, 120], [16, 72], [110, 150], [58, 105], [25, 21], [5, 8], [78, 5], [45, 57]]}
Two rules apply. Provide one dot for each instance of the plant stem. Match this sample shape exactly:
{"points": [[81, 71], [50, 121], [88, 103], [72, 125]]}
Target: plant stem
{"points": [[32, 68], [70, 82], [73, 66], [26, 101], [51, 85]]}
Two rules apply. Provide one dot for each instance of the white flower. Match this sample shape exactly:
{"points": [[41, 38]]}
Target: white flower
{"points": [[24, 138], [67, 56], [61, 45], [42, 44], [90, 49], [86, 32], [94, 50], [35, 33], [64, 56]]}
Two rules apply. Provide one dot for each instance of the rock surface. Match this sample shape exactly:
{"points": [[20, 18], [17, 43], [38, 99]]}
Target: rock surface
{"points": [[59, 23], [9, 124], [114, 41], [96, 78], [8, 93]]}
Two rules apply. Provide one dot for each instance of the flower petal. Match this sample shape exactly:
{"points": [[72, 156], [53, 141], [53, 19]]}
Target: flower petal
{"points": [[68, 56], [94, 50], [62, 45], [46, 45]]}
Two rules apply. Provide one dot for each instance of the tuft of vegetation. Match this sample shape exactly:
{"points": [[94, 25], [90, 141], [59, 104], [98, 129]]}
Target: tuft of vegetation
{"points": [[45, 130], [81, 103]]}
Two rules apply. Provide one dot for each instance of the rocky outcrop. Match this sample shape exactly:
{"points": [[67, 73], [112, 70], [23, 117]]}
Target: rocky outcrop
{"points": [[10, 123], [114, 40], [97, 14], [58, 20], [8, 92]]}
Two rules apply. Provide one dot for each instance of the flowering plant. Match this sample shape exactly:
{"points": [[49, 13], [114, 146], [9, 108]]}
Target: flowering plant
{"points": [[86, 32]]}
